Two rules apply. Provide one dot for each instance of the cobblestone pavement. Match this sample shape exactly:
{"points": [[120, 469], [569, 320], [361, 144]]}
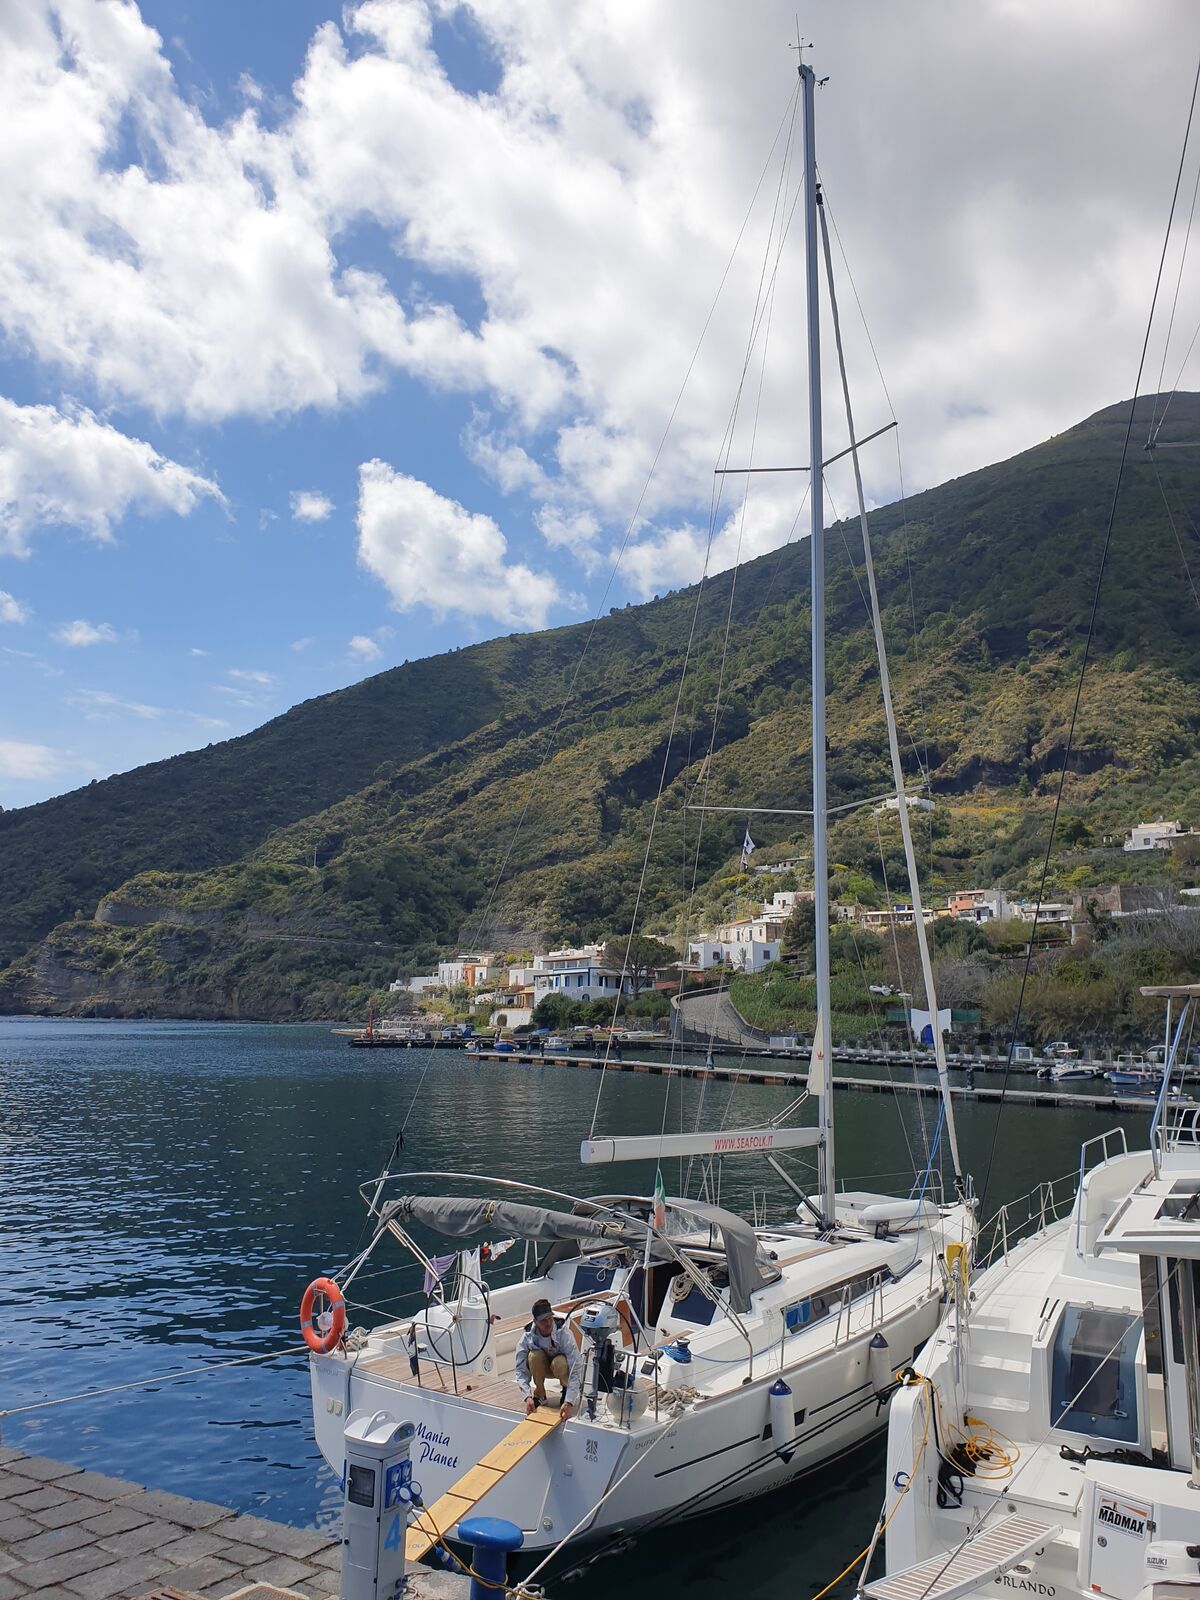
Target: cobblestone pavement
{"points": [[67, 1534]]}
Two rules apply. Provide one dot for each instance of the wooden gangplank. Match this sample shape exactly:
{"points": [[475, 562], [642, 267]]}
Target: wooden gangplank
{"points": [[461, 1498]]}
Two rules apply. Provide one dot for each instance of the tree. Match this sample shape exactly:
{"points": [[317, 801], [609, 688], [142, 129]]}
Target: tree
{"points": [[800, 930], [639, 957], [556, 1011]]}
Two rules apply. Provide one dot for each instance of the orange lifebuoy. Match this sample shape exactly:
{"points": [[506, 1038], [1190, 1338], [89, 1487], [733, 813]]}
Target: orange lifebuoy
{"points": [[323, 1343]]}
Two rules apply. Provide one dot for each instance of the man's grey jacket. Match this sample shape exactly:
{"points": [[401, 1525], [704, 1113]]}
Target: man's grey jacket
{"points": [[561, 1342]]}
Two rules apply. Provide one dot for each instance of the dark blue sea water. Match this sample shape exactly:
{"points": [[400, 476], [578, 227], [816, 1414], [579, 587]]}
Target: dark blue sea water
{"points": [[167, 1190]]}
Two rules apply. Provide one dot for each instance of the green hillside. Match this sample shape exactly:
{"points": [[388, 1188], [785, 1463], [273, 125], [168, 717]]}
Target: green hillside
{"points": [[506, 792]]}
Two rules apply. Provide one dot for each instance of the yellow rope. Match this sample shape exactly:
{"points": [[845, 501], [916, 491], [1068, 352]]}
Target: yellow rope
{"points": [[883, 1527], [438, 1538]]}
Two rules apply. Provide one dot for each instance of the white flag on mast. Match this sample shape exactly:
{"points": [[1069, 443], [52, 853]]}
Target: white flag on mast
{"points": [[819, 1079], [922, 1024], [748, 847]]}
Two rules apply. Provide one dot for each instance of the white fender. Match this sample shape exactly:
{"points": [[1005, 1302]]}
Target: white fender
{"points": [[880, 1364], [783, 1419]]}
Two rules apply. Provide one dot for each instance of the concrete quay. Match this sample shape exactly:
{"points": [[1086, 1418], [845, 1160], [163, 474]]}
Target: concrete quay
{"points": [[780, 1078], [71, 1534]]}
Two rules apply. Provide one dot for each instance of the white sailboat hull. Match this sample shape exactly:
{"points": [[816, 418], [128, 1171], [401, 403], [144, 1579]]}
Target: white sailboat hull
{"points": [[714, 1450]]}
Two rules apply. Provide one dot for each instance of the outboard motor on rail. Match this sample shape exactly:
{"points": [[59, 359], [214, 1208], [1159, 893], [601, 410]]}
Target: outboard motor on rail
{"points": [[599, 1323]]}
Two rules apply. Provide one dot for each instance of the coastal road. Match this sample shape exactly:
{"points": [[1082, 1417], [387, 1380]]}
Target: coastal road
{"points": [[713, 1016]]}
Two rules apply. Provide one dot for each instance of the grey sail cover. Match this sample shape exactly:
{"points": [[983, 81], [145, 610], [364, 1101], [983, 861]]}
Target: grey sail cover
{"points": [[453, 1216], [747, 1270], [459, 1218]]}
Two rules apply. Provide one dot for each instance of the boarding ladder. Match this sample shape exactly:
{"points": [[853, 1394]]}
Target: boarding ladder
{"points": [[985, 1556]]}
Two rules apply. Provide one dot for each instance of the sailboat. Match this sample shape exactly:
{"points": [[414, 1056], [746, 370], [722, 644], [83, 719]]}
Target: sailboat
{"points": [[1048, 1439], [722, 1357]]}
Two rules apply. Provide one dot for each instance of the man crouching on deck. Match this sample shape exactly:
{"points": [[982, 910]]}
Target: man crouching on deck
{"points": [[547, 1349]]}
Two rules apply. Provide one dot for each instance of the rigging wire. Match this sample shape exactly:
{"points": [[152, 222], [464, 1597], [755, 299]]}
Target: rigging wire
{"points": [[152, 1383], [1156, 425], [889, 714], [900, 974], [912, 603], [767, 314], [760, 312], [842, 526], [1087, 649], [534, 787], [1174, 529]]}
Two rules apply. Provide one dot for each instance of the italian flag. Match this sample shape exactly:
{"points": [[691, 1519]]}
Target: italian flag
{"points": [[658, 1214]]}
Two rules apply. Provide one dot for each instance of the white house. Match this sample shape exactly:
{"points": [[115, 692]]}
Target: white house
{"points": [[1048, 911], [579, 974], [979, 905], [783, 902], [415, 985], [1152, 836], [898, 916], [790, 864], [765, 929], [468, 970], [742, 955], [505, 1016]]}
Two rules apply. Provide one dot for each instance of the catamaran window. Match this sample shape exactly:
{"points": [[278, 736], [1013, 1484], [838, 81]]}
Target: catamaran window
{"points": [[1094, 1379]]}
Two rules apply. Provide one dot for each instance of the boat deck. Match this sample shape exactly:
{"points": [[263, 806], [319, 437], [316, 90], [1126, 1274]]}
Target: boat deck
{"points": [[499, 1390]]}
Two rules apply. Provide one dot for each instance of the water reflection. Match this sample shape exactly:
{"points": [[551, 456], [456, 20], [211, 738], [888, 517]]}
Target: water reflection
{"points": [[167, 1189]]}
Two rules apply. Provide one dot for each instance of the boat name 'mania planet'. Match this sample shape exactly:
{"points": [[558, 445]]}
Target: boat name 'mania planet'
{"points": [[434, 1445]]}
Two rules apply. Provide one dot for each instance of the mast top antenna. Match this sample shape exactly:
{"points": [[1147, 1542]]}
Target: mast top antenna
{"points": [[800, 46]]}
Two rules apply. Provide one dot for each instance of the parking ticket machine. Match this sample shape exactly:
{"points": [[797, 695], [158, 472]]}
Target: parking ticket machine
{"points": [[375, 1507]]}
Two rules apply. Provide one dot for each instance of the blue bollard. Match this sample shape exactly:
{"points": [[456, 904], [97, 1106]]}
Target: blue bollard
{"points": [[490, 1538]]}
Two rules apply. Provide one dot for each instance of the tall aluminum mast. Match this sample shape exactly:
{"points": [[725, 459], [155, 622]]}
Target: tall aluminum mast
{"points": [[822, 1062]]}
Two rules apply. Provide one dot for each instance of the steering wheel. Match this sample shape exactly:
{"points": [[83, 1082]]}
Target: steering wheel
{"points": [[435, 1332]]}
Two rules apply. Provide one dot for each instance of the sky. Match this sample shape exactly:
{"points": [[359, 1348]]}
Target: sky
{"points": [[334, 338]]}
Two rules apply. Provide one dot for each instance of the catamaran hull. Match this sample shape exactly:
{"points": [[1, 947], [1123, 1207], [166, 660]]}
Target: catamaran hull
{"points": [[711, 1454]]}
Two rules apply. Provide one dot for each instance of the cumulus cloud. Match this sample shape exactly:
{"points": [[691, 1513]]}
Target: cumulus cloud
{"points": [[264, 680], [22, 762], [364, 648], [682, 553], [309, 505], [302, 644], [67, 468], [80, 633], [588, 202], [11, 609], [429, 550]]}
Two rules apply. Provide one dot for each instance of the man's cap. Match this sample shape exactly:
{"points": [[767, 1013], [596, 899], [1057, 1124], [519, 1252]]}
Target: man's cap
{"points": [[542, 1308]]}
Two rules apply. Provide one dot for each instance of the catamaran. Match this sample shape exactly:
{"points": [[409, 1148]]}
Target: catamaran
{"points": [[1048, 1439], [722, 1357]]}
